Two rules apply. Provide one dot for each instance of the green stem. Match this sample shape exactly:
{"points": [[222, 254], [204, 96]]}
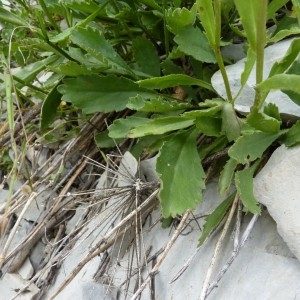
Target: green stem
{"points": [[217, 50], [166, 33], [260, 51]]}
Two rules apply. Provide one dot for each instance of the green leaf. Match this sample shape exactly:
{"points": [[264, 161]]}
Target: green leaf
{"points": [[287, 60], [181, 186], [157, 105], [179, 18], [274, 6], [207, 18], [263, 122], [226, 176], [160, 126], [102, 140], [210, 126], [71, 68], [251, 146], [94, 43], [121, 127], [146, 56], [292, 136], [230, 123], [49, 108], [168, 67], [192, 41], [173, 80], [9, 17], [249, 12], [215, 218], [284, 82], [30, 71], [244, 186], [93, 93], [249, 64], [272, 110]]}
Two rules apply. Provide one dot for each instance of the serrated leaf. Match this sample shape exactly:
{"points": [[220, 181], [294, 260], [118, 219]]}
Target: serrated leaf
{"points": [[157, 105], [93, 93], [292, 136], [179, 18], [207, 18], [251, 146], [226, 176], [181, 186], [121, 127], [192, 41], [173, 80], [210, 126], [215, 218], [272, 110], [244, 186], [230, 123], [263, 122], [94, 43], [214, 111], [49, 108], [160, 126], [71, 68], [146, 57]]}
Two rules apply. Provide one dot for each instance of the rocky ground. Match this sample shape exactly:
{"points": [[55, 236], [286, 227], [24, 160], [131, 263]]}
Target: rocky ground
{"points": [[88, 228]]}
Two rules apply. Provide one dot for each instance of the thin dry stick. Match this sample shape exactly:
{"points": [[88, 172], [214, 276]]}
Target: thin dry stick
{"points": [[218, 248], [234, 254], [163, 256], [15, 228], [97, 249]]}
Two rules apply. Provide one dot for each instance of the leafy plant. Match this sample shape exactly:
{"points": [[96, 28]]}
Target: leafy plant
{"points": [[153, 60]]}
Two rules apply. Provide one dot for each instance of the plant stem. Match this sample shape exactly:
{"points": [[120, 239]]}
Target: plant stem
{"points": [[217, 8], [260, 46], [47, 13]]}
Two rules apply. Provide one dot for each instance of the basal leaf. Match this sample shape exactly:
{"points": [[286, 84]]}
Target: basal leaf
{"points": [[263, 122], [272, 110], [146, 57], [214, 219], [244, 186], [102, 140], [93, 93], [173, 80], [71, 68], [226, 176], [179, 18], [94, 43], [181, 174], [49, 108], [192, 41], [251, 146], [210, 126], [292, 136], [160, 126], [230, 123], [157, 104], [122, 126]]}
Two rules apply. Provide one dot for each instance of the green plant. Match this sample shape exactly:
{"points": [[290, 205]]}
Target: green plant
{"points": [[155, 60]]}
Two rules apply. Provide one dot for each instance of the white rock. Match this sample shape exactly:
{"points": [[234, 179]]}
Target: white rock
{"points": [[245, 99], [11, 284], [26, 270], [277, 187]]}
